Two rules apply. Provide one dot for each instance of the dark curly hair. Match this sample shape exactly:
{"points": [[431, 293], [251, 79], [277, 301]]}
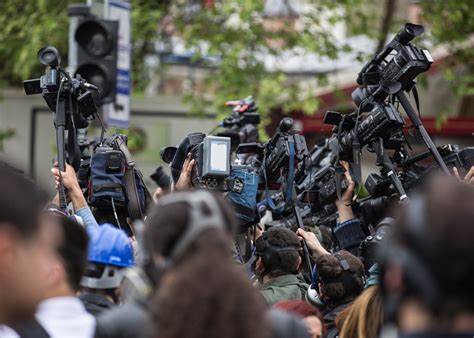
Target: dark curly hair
{"points": [[283, 262], [340, 286]]}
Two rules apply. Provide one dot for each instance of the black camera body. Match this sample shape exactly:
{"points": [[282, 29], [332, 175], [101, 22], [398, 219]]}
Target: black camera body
{"points": [[278, 153], [161, 178], [322, 188], [290, 221], [400, 61], [86, 147], [212, 169], [462, 159], [49, 86], [242, 125], [384, 121]]}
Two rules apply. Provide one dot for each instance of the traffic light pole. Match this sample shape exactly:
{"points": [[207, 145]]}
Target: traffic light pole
{"points": [[75, 12]]}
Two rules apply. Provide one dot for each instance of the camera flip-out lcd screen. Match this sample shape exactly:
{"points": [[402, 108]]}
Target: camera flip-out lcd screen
{"points": [[218, 156], [216, 151]]}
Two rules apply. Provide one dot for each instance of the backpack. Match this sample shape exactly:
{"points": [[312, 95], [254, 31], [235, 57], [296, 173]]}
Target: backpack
{"points": [[114, 180], [244, 199]]}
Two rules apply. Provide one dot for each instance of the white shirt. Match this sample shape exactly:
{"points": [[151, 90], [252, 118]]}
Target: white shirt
{"points": [[7, 332], [65, 317], [61, 317]]}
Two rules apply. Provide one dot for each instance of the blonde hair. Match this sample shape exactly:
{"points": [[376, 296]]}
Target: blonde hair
{"points": [[364, 317]]}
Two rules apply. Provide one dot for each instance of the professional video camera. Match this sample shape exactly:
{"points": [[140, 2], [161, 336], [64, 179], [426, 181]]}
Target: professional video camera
{"points": [[212, 155], [411, 173], [393, 72], [58, 88], [319, 184], [72, 102], [242, 125], [286, 152], [399, 62]]}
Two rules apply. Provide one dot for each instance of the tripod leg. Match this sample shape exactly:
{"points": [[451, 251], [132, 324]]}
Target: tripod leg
{"points": [[384, 161], [421, 128]]}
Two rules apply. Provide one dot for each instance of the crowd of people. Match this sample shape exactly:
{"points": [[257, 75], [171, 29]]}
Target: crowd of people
{"points": [[185, 269]]}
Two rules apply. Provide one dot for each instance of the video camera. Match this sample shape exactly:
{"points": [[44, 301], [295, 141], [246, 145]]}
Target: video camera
{"points": [[242, 125], [384, 121], [399, 62], [212, 169], [284, 152], [57, 84], [161, 178], [73, 105]]}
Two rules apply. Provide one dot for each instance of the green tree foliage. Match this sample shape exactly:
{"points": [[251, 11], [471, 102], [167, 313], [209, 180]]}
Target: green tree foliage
{"points": [[240, 35], [26, 26], [452, 24], [235, 31]]}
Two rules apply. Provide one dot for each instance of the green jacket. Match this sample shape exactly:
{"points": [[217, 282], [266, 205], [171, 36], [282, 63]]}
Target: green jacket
{"points": [[286, 287]]}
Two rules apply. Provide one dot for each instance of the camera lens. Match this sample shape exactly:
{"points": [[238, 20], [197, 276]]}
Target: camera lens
{"points": [[48, 57]]}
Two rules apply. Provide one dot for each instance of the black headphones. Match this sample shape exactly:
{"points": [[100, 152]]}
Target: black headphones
{"points": [[198, 222], [270, 253]]}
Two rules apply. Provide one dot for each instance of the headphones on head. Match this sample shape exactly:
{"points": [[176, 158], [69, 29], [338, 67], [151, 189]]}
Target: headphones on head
{"points": [[347, 278], [199, 221], [270, 253]]}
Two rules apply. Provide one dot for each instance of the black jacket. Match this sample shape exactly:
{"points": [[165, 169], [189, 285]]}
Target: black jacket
{"points": [[329, 315], [129, 320]]}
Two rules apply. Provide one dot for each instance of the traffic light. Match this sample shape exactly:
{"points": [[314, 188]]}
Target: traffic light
{"points": [[97, 41]]}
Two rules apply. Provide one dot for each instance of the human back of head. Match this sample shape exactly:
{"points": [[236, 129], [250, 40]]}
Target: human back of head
{"points": [[279, 252], [202, 292], [340, 277], [430, 259], [21, 202], [179, 219], [24, 252], [364, 316], [71, 255]]}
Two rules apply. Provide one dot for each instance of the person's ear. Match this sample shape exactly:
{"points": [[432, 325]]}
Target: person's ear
{"points": [[259, 267], [298, 264], [56, 274], [320, 290], [8, 251]]}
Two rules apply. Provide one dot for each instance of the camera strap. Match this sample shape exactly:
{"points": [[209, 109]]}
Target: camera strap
{"points": [[134, 209], [290, 179], [338, 170], [73, 151]]}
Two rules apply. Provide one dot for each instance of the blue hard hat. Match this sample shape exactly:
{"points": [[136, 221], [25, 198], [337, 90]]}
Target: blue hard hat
{"points": [[110, 246]]}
